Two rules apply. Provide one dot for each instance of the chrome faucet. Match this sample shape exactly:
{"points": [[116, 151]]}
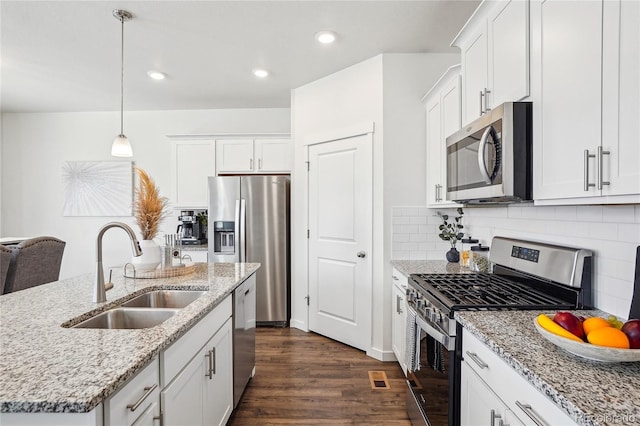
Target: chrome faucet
{"points": [[100, 289]]}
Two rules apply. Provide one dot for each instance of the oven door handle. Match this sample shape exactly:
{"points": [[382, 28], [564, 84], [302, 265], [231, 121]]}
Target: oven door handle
{"points": [[428, 327]]}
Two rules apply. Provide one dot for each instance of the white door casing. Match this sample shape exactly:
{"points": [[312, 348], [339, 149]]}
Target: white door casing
{"points": [[340, 239]]}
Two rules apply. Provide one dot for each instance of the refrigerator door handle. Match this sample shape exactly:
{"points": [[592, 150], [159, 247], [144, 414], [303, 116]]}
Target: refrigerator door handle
{"points": [[243, 237], [236, 232]]}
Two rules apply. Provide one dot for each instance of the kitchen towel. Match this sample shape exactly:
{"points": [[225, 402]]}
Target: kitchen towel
{"points": [[435, 354], [412, 341]]}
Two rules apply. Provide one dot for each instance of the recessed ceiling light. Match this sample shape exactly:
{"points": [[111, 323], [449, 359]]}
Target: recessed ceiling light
{"points": [[326, 37], [260, 73], [156, 75]]}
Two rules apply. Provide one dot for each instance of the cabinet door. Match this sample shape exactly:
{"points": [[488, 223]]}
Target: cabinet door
{"points": [[182, 400], [478, 404], [451, 122], [192, 163], [566, 41], [234, 155], [399, 325], [272, 155], [218, 387], [621, 97], [474, 75], [434, 151], [150, 416], [508, 52]]}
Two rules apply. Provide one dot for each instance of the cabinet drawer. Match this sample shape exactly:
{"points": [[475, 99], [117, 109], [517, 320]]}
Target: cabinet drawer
{"points": [[135, 398], [176, 356], [520, 396]]}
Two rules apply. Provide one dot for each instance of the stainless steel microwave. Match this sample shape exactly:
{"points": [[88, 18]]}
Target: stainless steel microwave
{"points": [[490, 160]]}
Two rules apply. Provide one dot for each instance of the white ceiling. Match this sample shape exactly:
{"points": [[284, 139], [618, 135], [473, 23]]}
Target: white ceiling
{"points": [[65, 55]]}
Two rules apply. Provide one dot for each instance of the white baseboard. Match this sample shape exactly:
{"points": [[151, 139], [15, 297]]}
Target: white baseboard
{"points": [[300, 325], [386, 356]]}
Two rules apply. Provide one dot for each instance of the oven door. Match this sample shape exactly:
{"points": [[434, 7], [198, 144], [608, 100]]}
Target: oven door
{"points": [[432, 399]]}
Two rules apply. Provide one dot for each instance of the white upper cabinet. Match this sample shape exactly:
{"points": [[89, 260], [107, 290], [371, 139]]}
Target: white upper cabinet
{"points": [[494, 47], [442, 107], [585, 101], [621, 97], [260, 155], [191, 163]]}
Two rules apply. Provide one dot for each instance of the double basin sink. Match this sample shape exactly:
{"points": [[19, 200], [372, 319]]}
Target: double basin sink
{"points": [[144, 311]]}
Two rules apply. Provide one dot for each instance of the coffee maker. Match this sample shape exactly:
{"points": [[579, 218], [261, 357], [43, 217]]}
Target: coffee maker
{"points": [[193, 229]]}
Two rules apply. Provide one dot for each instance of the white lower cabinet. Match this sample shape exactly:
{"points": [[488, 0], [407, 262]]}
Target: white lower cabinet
{"points": [[479, 405], [137, 402], [399, 318], [491, 388], [197, 372]]}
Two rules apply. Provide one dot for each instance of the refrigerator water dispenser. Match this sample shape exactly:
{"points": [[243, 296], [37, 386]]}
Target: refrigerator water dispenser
{"points": [[224, 237]]}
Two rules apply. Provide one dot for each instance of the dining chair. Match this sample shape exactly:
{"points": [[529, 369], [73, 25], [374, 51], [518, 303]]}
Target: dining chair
{"points": [[34, 262], [5, 258]]}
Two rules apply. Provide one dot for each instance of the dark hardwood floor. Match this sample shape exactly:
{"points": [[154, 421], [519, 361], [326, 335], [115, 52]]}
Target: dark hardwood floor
{"points": [[306, 379]]}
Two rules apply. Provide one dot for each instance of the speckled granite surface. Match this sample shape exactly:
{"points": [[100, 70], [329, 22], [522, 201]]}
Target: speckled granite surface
{"points": [[591, 392], [408, 267], [45, 367]]}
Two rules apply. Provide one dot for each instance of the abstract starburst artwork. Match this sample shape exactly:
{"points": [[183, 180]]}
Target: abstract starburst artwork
{"points": [[98, 188]]}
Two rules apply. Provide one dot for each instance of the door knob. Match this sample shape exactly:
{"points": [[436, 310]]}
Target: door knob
{"points": [[361, 254]]}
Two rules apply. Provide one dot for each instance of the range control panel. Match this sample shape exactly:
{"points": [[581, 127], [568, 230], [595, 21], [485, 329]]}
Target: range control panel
{"points": [[524, 253]]}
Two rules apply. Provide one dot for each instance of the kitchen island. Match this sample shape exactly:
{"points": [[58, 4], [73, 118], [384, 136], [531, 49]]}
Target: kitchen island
{"points": [[46, 367]]}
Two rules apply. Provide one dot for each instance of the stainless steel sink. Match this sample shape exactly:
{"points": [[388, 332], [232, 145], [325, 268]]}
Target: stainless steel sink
{"points": [[128, 318], [164, 299]]}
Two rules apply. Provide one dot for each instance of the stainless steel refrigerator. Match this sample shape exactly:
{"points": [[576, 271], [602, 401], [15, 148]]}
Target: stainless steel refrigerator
{"points": [[249, 222]]}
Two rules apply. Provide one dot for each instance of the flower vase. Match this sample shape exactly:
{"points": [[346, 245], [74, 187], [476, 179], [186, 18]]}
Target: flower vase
{"points": [[150, 258], [453, 255]]}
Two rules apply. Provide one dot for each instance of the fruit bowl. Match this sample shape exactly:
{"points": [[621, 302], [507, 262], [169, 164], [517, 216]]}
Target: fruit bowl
{"points": [[589, 351]]}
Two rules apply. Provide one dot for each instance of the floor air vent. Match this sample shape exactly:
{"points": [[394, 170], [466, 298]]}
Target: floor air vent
{"points": [[378, 380]]}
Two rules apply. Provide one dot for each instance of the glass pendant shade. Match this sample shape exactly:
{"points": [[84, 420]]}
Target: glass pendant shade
{"points": [[121, 147]]}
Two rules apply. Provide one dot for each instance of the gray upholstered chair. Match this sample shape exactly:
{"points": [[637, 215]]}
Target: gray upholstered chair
{"points": [[34, 262], [5, 258]]}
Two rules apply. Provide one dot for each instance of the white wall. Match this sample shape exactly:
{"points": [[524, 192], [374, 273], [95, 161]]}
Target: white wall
{"points": [[35, 146], [611, 232], [384, 90]]}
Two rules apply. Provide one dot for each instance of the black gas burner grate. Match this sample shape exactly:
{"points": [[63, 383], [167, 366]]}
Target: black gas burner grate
{"points": [[486, 291]]}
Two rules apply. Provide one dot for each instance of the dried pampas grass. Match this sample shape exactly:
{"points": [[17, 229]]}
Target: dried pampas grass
{"points": [[150, 208]]}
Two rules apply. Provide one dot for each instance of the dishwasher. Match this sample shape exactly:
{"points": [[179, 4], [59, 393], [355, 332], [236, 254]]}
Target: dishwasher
{"points": [[244, 336]]}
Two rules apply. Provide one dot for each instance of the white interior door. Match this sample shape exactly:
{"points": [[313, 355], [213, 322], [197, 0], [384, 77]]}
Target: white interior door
{"points": [[340, 240]]}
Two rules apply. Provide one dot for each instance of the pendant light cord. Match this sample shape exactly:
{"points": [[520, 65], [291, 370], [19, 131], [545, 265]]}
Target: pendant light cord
{"points": [[122, 76]]}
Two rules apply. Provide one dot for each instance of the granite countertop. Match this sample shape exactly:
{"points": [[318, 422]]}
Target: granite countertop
{"points": [[45, 367], [591, 392], [408, 267]]}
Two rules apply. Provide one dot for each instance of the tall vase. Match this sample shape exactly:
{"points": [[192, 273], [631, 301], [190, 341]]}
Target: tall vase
{"points": [[150, 258], [453, 255]]}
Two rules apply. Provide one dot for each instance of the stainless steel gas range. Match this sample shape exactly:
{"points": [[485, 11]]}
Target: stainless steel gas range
{"points": [[526, 275]]}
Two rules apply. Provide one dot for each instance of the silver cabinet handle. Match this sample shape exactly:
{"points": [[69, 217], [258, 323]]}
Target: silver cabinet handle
{"points": [[481, 108], [394, 277], [161, 421], [147, 392], [250, 163], [259, 163], [601, 153], [528, 410], [398, 309], [209, 373], [361, 254], [495, 416], [213, 360], [474, 356], [587, 185], [486, 104]]}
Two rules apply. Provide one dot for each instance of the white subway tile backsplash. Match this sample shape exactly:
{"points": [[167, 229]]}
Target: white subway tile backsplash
{"points": [[611, 232]]}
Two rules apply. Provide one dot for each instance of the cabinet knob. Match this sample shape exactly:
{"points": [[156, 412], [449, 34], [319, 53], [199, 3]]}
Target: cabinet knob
{"points": [[362, 254]]}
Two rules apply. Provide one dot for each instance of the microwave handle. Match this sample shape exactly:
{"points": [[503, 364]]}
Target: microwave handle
{"points": [[488, 178]]}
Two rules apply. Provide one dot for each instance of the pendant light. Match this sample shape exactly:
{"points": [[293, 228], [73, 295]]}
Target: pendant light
{"points": [[121, 146]]}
